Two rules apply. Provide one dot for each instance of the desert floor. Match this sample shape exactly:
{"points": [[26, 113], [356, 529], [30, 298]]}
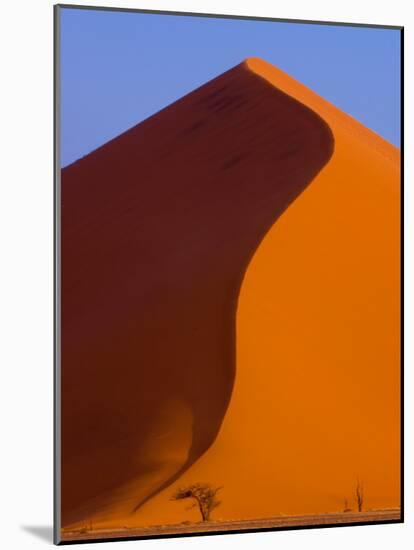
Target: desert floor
{"points": [[344, 518]]}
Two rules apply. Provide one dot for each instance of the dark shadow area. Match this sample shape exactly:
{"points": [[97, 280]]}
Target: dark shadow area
{"points": [[43, 532]]}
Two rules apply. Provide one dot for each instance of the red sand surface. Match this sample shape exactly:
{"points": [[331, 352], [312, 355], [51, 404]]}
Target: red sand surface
{"points": [[158, 227]]}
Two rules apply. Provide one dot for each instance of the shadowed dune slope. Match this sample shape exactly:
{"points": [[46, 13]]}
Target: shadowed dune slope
{"points": [[316, 400], [158, 227]]}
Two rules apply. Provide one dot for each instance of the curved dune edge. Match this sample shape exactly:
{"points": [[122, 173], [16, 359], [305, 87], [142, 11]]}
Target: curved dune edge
{"points": [[237, 151], [316, 400], [331, 114]]}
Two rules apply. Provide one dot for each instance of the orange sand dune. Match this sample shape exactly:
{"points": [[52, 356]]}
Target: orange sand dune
{"points": [[158, 228], [316, 398], [316, 402]]}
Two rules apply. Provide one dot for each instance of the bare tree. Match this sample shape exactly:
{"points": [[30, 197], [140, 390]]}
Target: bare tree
{"points": [[204, 496], [359, 494], [346, 507]]}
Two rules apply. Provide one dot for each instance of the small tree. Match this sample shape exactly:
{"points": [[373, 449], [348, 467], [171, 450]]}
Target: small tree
{"points": [[204, 497], [359, 494]]}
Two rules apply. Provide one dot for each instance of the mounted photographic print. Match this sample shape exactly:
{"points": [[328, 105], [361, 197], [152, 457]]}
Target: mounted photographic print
{"points": [[228, 281]]}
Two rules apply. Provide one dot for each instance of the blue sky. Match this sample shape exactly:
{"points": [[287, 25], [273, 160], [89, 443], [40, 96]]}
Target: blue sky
{"points": [[118, 68]]}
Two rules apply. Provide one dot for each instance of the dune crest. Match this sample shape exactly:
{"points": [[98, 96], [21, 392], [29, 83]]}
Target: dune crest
{"points": [[324, 108]]}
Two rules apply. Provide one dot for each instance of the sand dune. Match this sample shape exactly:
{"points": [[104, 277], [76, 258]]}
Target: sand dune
{"points": [[316, 397], [158, 228]]}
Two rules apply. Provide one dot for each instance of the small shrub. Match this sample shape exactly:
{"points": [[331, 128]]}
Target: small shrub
{"points": [[204, 496], [359, 494]]}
